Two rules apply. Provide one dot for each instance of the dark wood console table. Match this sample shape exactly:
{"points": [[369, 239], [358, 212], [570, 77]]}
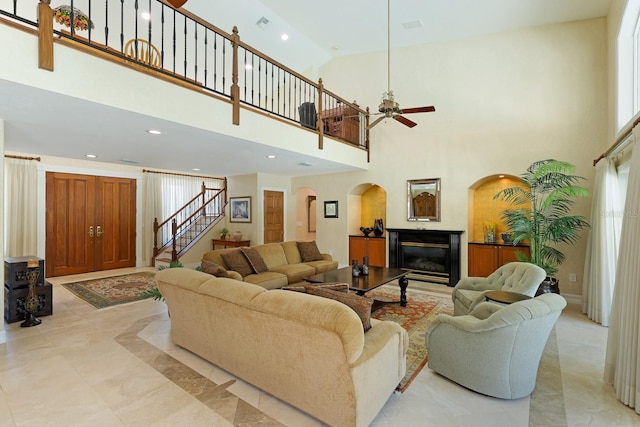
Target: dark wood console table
{"points": [[505, 297], [229, 243]]}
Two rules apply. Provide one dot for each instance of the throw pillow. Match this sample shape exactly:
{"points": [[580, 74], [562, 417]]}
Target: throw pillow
{"points": [[254, 258], [361, 305], [237, 262], [214, 269], [340, 287], [309, 251]]}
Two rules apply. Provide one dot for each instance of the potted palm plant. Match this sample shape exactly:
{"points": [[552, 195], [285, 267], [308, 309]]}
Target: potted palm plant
{"points": [[541, 214]]}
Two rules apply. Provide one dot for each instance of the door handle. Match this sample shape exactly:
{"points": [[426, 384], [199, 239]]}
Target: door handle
{"points": [[91, 231], [98, 231]]}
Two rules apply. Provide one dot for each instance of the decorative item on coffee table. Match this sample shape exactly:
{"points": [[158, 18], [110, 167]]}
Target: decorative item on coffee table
{"points": [[31, 302]]}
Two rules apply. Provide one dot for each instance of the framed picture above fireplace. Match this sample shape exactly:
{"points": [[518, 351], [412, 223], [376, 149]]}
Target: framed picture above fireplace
{"points": [[423, 199]]}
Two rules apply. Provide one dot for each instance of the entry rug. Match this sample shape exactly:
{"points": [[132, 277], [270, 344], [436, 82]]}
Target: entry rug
{"points": [[115, 290], [421, 308]]}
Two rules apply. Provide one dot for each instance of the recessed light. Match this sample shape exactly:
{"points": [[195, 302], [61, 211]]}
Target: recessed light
{"points": [[154, 132], [195, 169], [248, 66], [500, 176], [91, 156], [271, 156], [146, 16], [284, 37]]}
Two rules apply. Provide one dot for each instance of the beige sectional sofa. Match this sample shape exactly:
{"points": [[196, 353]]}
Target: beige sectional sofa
{"points": [[284, 263], [309, 351]]}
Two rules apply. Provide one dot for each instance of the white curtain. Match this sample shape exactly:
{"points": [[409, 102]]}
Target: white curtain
{"points": [[602, 247], [622, 361], [21, 204]]}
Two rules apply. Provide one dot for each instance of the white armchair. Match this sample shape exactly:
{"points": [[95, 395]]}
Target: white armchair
{"points": [[496, 349], [521, 277]]}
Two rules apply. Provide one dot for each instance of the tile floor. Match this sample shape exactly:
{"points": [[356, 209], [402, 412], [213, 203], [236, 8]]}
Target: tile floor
{"points": [[118, 367]]}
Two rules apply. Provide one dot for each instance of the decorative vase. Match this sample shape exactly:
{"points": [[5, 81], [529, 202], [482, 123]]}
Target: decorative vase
{"points": [[355, 270], [378, 227], [365, 266], [237, 235]]}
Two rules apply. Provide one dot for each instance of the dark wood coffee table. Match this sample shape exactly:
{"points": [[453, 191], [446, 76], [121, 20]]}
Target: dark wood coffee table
{"points": [[505, 297], [362, 284]]}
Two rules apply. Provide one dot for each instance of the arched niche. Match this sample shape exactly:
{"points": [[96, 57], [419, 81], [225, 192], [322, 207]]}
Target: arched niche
{"points": [[306, 214], [367, 202], [483, 207]]}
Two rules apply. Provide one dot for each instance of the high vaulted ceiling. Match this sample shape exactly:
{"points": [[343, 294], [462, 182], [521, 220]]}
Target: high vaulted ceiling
{"points": [[317, 32]]}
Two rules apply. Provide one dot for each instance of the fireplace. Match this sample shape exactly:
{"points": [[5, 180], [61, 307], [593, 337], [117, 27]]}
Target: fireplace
{"points": [[430, 255]]}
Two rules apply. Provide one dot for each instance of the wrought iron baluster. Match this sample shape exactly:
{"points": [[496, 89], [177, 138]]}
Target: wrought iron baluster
{"points": [[224, 65], [259, 80], [174, 41], [185, 46], [135, 11], [121, 26], [149, 32], [15, 7], [89, 28], [195, 65], [244, 83], [272, 85], [252, 76], [215, 61], [162, 7], [73, 20], [206, 54], [106, 23]]}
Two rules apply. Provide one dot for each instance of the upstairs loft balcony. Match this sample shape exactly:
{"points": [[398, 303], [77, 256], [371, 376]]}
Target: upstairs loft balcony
{"points": [[174, 46]]}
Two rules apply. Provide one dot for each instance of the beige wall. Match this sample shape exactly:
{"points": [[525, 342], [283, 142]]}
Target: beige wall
{"points": [[503, 101]]}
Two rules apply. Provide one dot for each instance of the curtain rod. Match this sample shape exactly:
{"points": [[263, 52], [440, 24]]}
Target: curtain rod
{"points": [[181, 174], [622, 137], [11, 156]]}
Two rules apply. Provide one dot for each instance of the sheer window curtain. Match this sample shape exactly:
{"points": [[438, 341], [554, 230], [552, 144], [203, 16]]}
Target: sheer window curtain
{"points": [[622, 361], [602, 247], [21, 204]]}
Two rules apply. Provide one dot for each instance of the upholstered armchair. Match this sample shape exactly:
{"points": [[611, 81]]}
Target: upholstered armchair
{"points": [[496, 349], [521, 277]]}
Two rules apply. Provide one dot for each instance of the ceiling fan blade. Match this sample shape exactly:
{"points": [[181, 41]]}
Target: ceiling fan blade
{"points": [[405, 121], [418, 110], [376, 121], [177, 3]]}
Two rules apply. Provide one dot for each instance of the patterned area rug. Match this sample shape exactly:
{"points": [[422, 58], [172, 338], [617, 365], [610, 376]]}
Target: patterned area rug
{"points": [[111, 291], [422, 307]]}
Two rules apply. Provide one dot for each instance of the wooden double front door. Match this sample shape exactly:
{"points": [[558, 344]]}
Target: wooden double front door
{"points": [[90, 223]]}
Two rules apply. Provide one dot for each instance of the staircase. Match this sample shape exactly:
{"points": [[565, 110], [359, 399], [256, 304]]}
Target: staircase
{"points": [[177, 234]]}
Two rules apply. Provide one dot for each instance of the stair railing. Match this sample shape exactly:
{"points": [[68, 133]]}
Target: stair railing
{"points": [[180, 230]]}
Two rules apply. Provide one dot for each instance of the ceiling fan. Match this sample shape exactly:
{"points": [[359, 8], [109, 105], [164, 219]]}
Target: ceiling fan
{"points": [[389, 107]]}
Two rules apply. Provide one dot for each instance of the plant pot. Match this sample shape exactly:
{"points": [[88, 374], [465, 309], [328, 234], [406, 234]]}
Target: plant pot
{"points": [[549, 285]]}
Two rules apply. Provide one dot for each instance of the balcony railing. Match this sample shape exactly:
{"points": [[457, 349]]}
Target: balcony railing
{"points": [[174, 44]]}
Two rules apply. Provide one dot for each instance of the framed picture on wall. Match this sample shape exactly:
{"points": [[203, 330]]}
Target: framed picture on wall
{"points": [[240, 209], [331, 209]]}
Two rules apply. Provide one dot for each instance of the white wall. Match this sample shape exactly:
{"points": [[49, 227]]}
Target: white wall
{"points": [[503, 101], [2, 333]]}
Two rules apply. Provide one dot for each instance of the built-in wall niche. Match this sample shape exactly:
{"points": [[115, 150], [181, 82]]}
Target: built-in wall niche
{"points": [[373, 205], [484, 208]]}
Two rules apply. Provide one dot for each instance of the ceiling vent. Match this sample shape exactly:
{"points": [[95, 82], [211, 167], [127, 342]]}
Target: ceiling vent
{"points": [[412, 24], [263, 23]]}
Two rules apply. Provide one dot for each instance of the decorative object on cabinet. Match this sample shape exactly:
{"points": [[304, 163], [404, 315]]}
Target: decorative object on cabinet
{"points": [[366, 231], [378, 227], [240, 209], [489, 231], [331, 209], [506, 238], [423, 199], [553, 186]]}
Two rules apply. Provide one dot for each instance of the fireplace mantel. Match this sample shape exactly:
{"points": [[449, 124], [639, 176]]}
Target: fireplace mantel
{"points": [[446, 243]]}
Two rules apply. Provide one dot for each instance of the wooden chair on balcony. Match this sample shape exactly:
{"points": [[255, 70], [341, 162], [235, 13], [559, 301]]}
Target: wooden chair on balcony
{"points": [[143, 51]]}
